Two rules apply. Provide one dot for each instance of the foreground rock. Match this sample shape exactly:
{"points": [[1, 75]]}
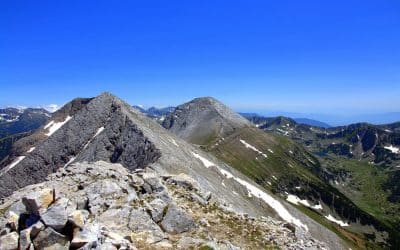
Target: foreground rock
{"points": [[103, 206]]}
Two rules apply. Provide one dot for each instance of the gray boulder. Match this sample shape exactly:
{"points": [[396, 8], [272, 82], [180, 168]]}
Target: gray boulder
{"points": [[25, 239], [140, 222], [36, 228], [9, 241], [48, 238], [156, 208], [38, 201], [55, 217], [176, 220]]}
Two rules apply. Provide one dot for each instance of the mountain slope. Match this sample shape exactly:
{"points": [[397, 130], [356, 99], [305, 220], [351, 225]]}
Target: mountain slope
{"points": [[107, 129], [205, 121], [276, 163], [17, 123]]}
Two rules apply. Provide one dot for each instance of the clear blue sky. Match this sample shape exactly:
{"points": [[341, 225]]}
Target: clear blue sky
{"points": [[338, 56]]}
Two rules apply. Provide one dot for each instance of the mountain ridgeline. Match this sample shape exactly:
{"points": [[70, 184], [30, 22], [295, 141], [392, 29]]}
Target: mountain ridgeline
{"points": [[186, 177], [285, 167], [100, 173]]}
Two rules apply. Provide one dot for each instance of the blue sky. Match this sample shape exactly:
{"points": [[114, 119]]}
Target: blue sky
{"points": [[331, 57]]}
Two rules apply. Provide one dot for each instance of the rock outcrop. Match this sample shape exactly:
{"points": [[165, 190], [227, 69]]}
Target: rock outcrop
{"points": [[104, 206]]}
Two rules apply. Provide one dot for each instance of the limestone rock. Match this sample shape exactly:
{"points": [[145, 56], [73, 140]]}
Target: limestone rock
{"points": [[156, 208], [176, 220], [37, 201], [9, 241], [36, 228], [183, 180], [12, 220], [25, 239], [55, 217], [141, 223], [48, 238], [78, 217], [87, 235]]}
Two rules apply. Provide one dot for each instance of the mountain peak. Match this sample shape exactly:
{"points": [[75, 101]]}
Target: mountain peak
{"points": [[203, 119]]}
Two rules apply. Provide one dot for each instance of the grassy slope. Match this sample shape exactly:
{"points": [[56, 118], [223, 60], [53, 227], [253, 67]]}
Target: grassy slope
{"points": [[289, 169], [365, 189]]}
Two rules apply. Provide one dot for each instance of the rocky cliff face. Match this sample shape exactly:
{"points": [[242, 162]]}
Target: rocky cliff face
{"points": [[107, 129]]}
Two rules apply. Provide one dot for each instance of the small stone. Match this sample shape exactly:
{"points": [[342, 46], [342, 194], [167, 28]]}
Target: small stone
{"points": [[36, 228], [38, 201], [25, 239], [84, 236], [12, 220], [55, 217], [48, 238], [78, 217], [184, 181], [176, 220], [198, 199], [157, 207], [9, 241], [154, 182]]}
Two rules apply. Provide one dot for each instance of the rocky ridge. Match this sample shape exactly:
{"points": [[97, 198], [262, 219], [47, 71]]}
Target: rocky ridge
{"points": [[104, 206]]}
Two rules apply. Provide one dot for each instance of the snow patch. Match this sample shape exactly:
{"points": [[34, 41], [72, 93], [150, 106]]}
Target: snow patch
{"points": [[69, 162], [247, 145], [174, 142], [296, 200], [12, 164], [99, 130], [205, 162], [339, 222], [270, 150], [393, 149], [54, 126], [31, 149], [255, 191]]}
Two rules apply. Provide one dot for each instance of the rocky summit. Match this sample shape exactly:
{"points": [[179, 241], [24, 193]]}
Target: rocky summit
{"points": [[102, 175]]}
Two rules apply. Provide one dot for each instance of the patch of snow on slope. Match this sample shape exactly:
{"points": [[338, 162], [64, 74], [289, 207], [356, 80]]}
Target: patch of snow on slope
{"points": [[12, 164], [174, 142], [339, 222], [296, 200], [205, 162], [317, 207], [270, 150], [393, 149], [247, 145], [255, 191], [99, 130], [69, 162], [31, 149], [54, 126]]}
